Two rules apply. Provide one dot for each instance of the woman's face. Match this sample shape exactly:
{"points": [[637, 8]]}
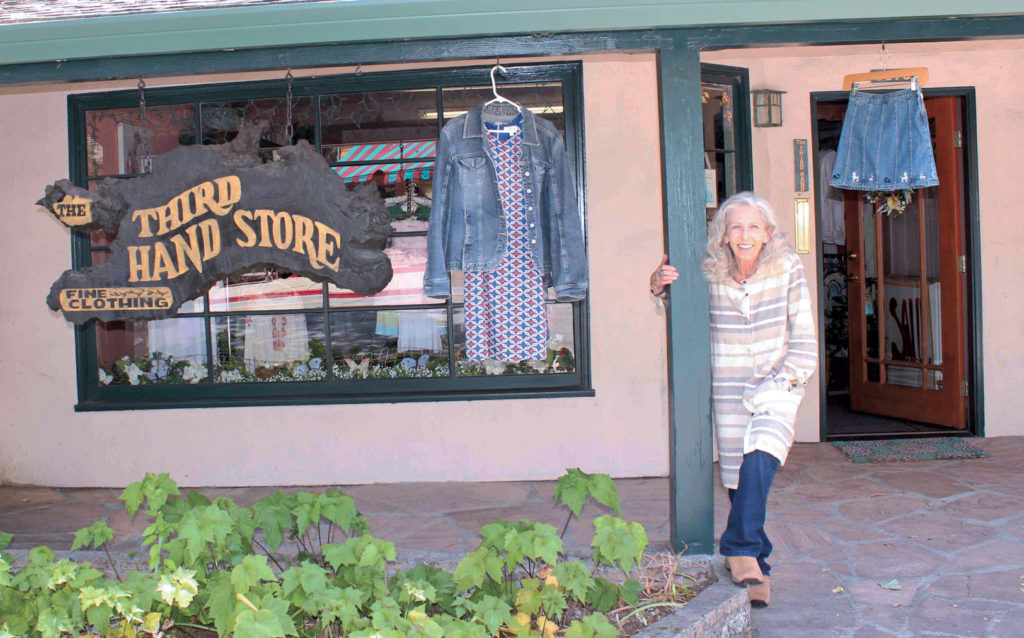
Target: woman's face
{"points": [[746, 232]]}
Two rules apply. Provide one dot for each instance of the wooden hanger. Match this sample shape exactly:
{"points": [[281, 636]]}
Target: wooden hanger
{"points": [[918, 74]]}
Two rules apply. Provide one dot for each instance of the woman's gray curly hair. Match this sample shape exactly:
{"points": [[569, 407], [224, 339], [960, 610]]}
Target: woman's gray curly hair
{"points": [[720, 263]]}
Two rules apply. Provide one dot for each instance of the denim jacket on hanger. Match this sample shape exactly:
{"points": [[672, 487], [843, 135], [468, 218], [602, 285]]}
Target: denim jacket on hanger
{"points": [[467, 226]]}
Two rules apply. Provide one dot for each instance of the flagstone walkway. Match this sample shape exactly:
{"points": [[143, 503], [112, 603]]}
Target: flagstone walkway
{"points": [[945, 537]]}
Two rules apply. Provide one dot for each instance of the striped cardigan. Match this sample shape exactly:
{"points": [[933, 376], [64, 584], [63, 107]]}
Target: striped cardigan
{"points": [[763, 350]]}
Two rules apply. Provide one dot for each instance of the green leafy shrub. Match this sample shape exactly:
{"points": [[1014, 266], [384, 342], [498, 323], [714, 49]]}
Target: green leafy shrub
{"points": [[305, 565]]}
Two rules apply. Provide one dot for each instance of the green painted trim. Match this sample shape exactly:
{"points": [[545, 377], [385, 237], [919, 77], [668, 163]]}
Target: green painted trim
{"points": [[380, 20], [407, 397], [150, 63], [691, 484]]}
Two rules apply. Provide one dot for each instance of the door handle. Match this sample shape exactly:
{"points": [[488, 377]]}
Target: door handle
{"points": [[851, 256], [852, 279]]}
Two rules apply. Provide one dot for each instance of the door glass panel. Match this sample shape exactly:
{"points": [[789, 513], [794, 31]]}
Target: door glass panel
{"points": [[930, 203], [870, 257], [270, 348], [389, 344], [874, 372], [901, 238], [371, 126], [561, 346], [167, 351], [903, 376]]}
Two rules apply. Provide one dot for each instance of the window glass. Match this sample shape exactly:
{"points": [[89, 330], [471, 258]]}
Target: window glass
{"points": [[262, 325], [560, 357], [221, 120], [116, 139], [167, 351], [408, 254], [389, 344], [270, 348], [544, 100]]}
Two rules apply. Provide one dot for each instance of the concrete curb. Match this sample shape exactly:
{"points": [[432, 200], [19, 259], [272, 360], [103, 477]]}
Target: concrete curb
{"points": [[721, 610]]}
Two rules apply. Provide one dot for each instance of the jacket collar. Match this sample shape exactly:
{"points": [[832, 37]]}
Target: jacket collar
{"points": [[475, 125]]}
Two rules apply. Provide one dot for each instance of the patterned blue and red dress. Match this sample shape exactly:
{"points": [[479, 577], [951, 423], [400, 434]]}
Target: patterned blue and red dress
{"points": [[506, 318]]}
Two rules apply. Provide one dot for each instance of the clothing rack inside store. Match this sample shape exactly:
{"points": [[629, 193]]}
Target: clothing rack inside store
{"points": [[913, 77]]}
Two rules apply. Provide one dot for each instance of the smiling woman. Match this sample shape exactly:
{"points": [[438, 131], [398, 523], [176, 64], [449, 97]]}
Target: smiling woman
{"points": [[763, 350]]}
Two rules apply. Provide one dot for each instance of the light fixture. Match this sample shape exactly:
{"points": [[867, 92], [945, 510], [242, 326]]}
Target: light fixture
{"points": [[803, 225], [767, 107], [453, 113]]}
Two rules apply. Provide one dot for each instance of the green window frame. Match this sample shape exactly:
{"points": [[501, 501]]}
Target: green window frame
{"points": [[331, 387]]}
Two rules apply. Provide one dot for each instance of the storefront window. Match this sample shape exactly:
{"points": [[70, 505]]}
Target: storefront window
{"points": [[265, 335]]}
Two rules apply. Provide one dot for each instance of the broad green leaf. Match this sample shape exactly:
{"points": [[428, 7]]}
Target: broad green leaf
{"points": [[62, 572], [5, 573], [197, 499], [279, 608], [603, 595], [250, 572], [224, 607], [416, 592], [153, 489], [306, 511], [53, 621], [41, 555], [99, 617], [341, 605], [629, 591], [592, 626], [476, 566], [603, 628], [422, 625], [95, 536], [178, 588], [552, 601], [340, 509], [493, 534], [5, 539], [338, 554], [273, 515], [618, 542], [575, 578], [386, 614], [571, 489], [602, 488], [258, 624], [528, 599]]}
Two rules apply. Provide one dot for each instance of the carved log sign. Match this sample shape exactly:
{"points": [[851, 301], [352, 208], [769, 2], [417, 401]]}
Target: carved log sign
{"points": [[208, 212]]}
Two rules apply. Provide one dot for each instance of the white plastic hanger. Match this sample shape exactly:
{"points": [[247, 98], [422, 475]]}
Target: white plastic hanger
{"points": [[494, 89]]}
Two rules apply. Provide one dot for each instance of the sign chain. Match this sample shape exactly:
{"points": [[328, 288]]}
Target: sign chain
{"points": [[147, 160], [288, 128]]}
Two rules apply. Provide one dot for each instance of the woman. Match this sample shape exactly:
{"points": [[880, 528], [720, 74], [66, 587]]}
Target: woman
{"points": [[763, 350]]}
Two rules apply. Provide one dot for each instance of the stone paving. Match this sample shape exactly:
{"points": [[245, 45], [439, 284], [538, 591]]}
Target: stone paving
{"points": [[950, 532]]}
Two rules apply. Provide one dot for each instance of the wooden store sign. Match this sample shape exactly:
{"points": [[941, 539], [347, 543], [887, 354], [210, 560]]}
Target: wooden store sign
{"points": [[205, 213]]}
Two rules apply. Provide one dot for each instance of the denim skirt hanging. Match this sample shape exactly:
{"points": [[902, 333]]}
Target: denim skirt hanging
{"points": [[885, 144]]}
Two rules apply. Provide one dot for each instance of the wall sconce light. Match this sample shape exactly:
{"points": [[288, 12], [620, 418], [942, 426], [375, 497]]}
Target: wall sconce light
{"points": [[803, 225], [767, 107]]}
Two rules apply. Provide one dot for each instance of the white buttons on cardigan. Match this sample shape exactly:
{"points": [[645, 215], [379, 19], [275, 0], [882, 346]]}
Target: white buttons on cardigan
{"points": [[529, 208], [527, 173], [531, 225], [529, 190], [533, 241]]}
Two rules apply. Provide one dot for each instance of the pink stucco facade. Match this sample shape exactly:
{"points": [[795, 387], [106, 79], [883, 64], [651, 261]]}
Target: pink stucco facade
{"points": [[623, 430]]}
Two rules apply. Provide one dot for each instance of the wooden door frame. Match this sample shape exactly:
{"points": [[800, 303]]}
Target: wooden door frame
{"points": [[973, 362]]}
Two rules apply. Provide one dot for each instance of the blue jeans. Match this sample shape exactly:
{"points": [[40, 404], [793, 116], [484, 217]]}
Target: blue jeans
{"points": [[744, 533], [885, 144]]}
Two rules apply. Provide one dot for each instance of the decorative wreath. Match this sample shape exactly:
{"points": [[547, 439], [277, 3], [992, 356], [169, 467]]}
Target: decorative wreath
{"points": [[891, 203]]}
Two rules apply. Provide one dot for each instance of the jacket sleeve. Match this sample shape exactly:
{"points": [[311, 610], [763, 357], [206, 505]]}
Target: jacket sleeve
{"points": [[568, 249], [802, 344], [435, 279]]}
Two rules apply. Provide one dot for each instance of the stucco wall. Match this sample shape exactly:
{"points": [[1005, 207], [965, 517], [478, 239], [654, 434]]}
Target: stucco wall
{"points": [[621, 431], [985, 65]]}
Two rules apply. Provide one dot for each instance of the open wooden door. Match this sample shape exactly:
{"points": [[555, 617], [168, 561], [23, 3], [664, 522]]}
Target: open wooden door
{"points": [[906, 293]]}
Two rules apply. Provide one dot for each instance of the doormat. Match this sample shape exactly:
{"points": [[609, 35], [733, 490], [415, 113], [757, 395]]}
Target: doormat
{"points": [[891, 450]]}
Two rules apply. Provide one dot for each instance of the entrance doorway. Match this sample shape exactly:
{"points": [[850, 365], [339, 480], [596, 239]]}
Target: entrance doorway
{"points": [[895, 293]]}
